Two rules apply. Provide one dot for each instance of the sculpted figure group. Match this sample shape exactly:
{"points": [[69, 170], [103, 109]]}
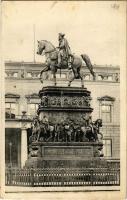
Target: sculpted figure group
{"points": [[66, 131]]}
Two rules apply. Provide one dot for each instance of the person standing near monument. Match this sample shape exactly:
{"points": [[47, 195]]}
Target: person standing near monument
{"points": [[64, 50]]}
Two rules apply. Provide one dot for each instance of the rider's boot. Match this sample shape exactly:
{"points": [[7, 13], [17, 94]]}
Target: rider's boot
{"points": [[59, 64], [69, 65]]}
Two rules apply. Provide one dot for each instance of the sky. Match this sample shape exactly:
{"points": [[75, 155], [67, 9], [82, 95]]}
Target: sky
{"points": [[94, 28]]}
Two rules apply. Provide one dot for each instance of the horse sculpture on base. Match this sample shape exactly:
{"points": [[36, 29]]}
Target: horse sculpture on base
{"points": [[93, 131], [46, 48]]}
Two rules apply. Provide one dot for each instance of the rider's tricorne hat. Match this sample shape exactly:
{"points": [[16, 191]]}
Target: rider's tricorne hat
{"points": [[61, 34]]}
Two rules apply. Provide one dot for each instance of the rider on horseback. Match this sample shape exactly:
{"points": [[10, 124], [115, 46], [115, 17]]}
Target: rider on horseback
{"points": [[64, 51]]}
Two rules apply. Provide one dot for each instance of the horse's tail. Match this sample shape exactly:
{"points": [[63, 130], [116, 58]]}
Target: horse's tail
{"points": [[88, 64]]}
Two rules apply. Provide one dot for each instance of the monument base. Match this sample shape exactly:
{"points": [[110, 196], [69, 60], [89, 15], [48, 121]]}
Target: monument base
{"points": [[54, 155], [61, 103], [63, 134]]}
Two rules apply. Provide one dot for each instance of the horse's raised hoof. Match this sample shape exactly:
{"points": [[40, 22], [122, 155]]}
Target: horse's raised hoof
{"points": [[69, 84]]}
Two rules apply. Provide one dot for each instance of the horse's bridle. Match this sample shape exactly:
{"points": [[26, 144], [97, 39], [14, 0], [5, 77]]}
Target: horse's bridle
{"points": [[41, 51]]}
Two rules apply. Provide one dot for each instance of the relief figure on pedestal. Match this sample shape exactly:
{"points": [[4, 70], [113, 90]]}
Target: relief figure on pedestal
{"points": [[69, 130], [44, 101], [51, 132], [67, 133], [35, 130], [96, 126], [78, 134]]}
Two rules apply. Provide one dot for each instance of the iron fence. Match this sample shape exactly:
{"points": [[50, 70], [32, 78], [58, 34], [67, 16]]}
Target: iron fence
{"points": [[62, 177]]}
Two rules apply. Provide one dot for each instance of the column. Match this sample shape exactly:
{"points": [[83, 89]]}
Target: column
{"points": [[23, 146]]}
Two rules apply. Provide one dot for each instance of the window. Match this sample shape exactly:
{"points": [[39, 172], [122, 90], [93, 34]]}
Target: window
{"points": [[100, 77], [107, 147], [11, 105], [106, 113], [110, 78], [32, 108], [15, 74], [32, 104], [106, 108], [11, 110], [29, 75]]}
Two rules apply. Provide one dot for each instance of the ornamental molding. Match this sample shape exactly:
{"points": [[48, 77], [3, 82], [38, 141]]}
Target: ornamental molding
{"points": [[65, 101], [32, 96], [11, 95], [106, 98]]}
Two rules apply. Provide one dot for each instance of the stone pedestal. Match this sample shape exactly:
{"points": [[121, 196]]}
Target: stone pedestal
{"points": [[65, 110], [72, 154], [61, 103]]}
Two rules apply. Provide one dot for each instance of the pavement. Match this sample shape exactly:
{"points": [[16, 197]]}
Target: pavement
{"points": [[63, 193]]}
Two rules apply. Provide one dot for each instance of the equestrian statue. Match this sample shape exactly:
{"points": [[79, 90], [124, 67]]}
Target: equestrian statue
{"points": [[61, 57]]}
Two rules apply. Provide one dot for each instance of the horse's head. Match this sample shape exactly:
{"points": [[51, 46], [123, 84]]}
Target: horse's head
{"points": [[41, 47], [98, 122], [44, 45]]}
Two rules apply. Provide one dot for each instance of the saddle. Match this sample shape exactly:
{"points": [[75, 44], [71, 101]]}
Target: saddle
{"points": [[54, 56], [67, 60]]}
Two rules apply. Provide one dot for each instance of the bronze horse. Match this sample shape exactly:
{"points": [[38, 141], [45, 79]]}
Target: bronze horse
{"points": [[51, 53], [94, 130], [35, 130]]}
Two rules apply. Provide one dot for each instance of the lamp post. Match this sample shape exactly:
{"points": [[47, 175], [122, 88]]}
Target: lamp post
{"points": [[10, 148]]}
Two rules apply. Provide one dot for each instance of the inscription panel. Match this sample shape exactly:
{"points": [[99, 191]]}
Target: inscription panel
{"points": [[68, 151]]}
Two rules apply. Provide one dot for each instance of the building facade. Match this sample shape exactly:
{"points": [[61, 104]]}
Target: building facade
{"points": [[22, 85]]}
